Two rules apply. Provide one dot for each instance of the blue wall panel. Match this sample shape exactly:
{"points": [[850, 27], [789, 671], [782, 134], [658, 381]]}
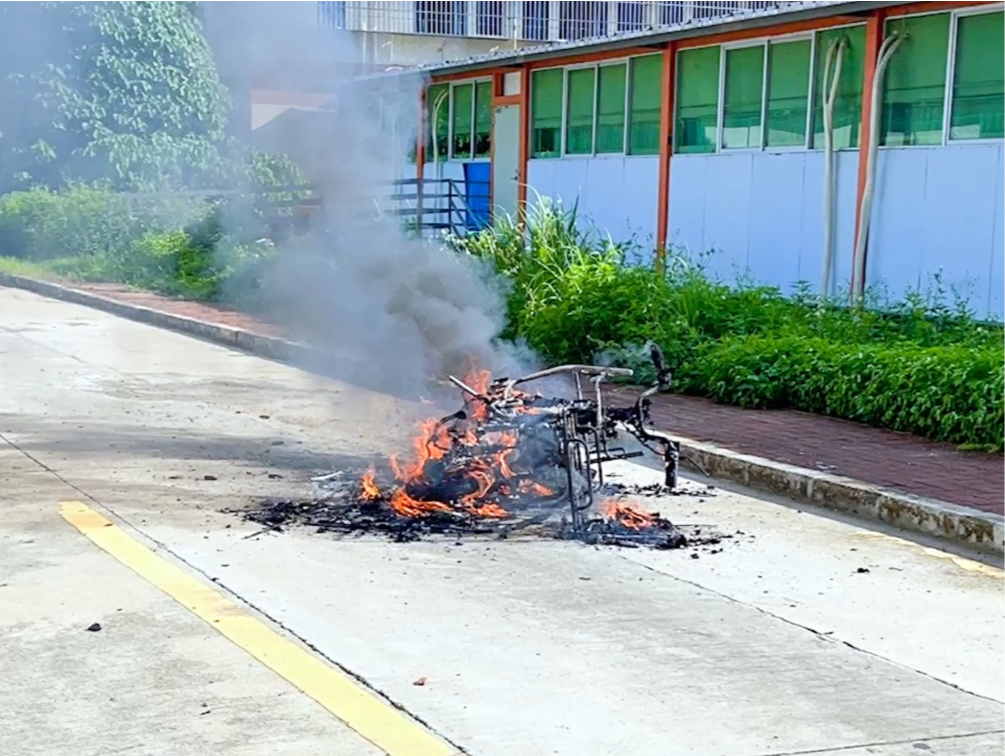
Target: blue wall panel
{"points": [[959, 219], [601, 203], [898, 196], [540, 180], [996, 277], [776, 193], [570, 182], [935, 209], [614, 195], [726, 229], [762, 213], [844, 221], [686, 218], [640, 198], [936, 214]]}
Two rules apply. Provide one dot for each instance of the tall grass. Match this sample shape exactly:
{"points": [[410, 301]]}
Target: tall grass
{"points": [[919, 365]]}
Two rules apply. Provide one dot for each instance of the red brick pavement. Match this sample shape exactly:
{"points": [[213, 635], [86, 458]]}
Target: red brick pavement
{"points": [[895, 460]]}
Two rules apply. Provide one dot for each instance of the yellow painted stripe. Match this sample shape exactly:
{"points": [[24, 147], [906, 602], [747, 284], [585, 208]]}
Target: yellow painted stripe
{"points": [[970, 565], [377, 721]]}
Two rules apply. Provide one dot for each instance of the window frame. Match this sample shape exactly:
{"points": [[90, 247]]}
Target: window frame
{"points": [[596, 108], [676, 98], [596, 66], [563, 134], [766, 43], [430, 126], [946, 95], [474, 109], [560, 152], [947, 99], [720, 123], [947, 105], [628, 100], [563, 153], [806, 146]]}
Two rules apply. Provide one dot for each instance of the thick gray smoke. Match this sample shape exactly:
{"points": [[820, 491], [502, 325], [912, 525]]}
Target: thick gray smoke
{"points": [[385, 310]]}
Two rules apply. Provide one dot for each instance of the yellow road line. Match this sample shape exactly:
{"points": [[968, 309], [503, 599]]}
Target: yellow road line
{"points": [[377, 721], [970, 565]]}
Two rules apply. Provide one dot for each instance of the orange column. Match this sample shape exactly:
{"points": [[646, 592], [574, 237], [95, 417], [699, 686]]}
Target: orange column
{"points": [[873, 40], [521, 190], [666, 150]]}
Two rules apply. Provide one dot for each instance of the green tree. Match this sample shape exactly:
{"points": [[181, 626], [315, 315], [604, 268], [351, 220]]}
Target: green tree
{"points": [[121, 92]]}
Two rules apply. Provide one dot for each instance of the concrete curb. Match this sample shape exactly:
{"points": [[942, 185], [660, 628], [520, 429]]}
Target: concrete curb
{"points": [[270, 347], [972, 528]]}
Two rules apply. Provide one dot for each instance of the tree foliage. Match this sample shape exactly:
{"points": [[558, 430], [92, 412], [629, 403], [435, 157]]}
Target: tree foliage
{"points": [[120, 92]]}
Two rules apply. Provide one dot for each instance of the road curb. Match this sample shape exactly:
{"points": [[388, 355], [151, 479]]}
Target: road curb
{"points": [[271, 347], [971, 528]]}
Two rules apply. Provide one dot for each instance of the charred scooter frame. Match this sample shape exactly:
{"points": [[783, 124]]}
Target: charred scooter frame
{"points": [[585, 427]]}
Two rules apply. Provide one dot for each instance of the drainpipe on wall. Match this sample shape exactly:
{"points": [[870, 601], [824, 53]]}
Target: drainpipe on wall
{"points": [[436, 131], [886, 51], [835, 56]]}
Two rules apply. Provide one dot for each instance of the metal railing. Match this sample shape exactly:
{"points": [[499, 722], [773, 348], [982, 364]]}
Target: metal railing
{"points": [[430, 206], [532, 20], [451, 206]]}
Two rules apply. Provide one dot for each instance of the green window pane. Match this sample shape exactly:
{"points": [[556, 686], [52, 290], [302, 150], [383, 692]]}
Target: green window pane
{"points": [[743, 98], [611, 86], [914, 87], [788, 93], [646, 95], [697, 100], [978, 110], [463, 109], [483, 119], [848, 103], [546, 112], [579, 112], [437, 121]]}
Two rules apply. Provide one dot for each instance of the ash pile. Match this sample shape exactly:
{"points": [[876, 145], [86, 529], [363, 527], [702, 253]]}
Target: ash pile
{"points": [[509, 462]]}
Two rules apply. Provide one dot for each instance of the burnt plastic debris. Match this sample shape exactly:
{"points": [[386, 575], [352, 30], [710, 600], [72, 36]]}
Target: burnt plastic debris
{"points": [[510, 461]]}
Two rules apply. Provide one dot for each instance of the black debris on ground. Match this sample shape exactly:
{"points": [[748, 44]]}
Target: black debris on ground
{"points": [[510, 462], [340, 508]]}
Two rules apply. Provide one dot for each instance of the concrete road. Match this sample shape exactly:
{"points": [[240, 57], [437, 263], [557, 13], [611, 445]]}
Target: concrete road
{"points": [[805, 634]]}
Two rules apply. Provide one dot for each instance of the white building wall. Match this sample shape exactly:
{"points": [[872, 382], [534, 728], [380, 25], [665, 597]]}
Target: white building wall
{"points": [[760, 215], [938, 212], [613, 194]]}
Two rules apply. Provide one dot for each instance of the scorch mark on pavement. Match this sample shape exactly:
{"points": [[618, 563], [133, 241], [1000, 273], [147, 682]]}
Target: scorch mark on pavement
{"points": [[376, 720]]}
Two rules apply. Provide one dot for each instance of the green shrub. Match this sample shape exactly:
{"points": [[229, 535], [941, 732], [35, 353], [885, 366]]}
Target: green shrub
{"points": [[918, 366], [946, 393], [39, 224]]}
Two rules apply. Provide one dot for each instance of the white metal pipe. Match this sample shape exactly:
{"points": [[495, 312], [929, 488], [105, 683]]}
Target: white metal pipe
{"points": [[835, 56], [434, 126], [886, 51]]}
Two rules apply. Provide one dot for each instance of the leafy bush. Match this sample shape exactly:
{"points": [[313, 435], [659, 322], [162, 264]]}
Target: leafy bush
{"points": [[947, 393], [39, 224], [917, 366], [124, 92], [172, 263]]}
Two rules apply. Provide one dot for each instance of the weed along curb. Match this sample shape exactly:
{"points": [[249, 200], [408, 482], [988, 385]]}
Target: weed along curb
{"points": [[971, 528], [984, 531]]}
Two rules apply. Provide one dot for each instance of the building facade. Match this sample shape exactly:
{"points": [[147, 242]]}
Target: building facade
{"points": [[844, 146]]}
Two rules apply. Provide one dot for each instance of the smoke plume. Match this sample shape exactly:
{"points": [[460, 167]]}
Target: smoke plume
{"points": [[384, 310]]}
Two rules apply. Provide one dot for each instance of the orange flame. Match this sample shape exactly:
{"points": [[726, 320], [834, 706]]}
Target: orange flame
{"points": [[531, 486], [628, 515], [370, 490], [406, 506], [433, 442]]}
